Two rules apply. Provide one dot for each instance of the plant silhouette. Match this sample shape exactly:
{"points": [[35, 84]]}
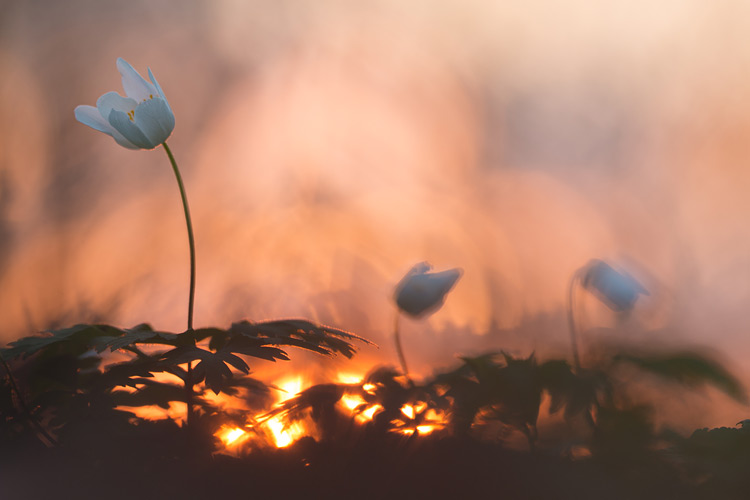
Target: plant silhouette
{"points": [[68, 380]]}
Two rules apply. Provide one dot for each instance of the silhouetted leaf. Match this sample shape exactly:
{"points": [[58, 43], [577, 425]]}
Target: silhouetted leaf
{"points": [[241, 344], [122, 373], [688, 368], [556, 377], [211, 366], [75, 340], [233, 360], [257, 391], [154, 393], [300, 333], [184, 354], [140, 334], [218, 336], [214, 370]]}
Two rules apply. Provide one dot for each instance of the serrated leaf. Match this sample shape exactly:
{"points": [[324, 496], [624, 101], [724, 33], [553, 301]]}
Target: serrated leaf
{"points": [[184, 354], [218, 337], [123, 373], [211, 366], [155, 393], [233, 360], [300, 333], [215, 371], [141, 334], [253, 347]]}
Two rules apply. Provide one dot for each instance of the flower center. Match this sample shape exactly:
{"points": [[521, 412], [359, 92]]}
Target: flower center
{"points": [[131, 113]]}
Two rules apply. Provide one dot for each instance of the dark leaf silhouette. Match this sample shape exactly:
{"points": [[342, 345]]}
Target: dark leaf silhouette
{"points": [[141, 334], [299, 333], [687, 368], [211, 366], [153, 393], [75, 339]]}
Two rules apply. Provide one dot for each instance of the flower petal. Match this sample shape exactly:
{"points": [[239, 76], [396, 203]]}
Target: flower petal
{"points": [[122, 123], [113, 100], [155, 120], [89, 115], [158, 88], [136, 87], [420, 293], [117, 136]]}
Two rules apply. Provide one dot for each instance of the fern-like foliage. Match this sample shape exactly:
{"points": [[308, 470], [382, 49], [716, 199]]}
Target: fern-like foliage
{"points": [[69, 374]]}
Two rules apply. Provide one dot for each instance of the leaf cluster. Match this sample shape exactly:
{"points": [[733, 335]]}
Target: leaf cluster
{"points": [[503, 392], [70, 378]]}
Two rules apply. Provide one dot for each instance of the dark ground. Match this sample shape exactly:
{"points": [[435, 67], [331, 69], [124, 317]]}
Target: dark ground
{"points": [[371, 467]]}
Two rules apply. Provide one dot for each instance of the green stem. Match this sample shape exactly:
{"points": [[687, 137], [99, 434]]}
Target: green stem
{"points": [[191, 238], [189, 396], [400, 351]]}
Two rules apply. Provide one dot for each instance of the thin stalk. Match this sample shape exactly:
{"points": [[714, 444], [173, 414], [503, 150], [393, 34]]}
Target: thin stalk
{"points": [[571, 320], [400, 351], [189, 394], [191, 238]]}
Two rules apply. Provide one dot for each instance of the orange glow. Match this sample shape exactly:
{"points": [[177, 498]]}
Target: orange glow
{"points": [[291, 387], [408, 410], [367, 415], [232, 436], [176, 411], [266, 428], [285, 434], [352, 401], [418, 419], [347, 378], [425, 429], [278, 431]]}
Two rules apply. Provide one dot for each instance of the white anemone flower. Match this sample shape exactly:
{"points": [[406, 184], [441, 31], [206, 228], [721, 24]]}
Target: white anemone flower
{"points": [[421, 292], [142, 120]]}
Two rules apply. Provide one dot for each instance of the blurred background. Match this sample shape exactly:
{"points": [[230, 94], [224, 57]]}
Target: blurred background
{"points": [[329, 146]]}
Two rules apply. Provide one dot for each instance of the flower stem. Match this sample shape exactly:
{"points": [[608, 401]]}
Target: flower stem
{"points": [[191, 239], [189, 395], [400, 351], [571, 320]]}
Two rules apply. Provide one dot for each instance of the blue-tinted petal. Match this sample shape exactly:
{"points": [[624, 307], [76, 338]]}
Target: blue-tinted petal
{"points": [[420, 293], [113, 100], [158, 88], [135, 86], [124, 125], [155, 120], [89, 115]]}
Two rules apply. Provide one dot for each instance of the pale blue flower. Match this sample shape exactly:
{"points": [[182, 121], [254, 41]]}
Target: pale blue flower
{"points": [[617, 290], [421, 292], [142, 120]]}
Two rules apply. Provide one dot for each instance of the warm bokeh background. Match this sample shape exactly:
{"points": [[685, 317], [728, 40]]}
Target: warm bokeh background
{"points": [[328, 146]]}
